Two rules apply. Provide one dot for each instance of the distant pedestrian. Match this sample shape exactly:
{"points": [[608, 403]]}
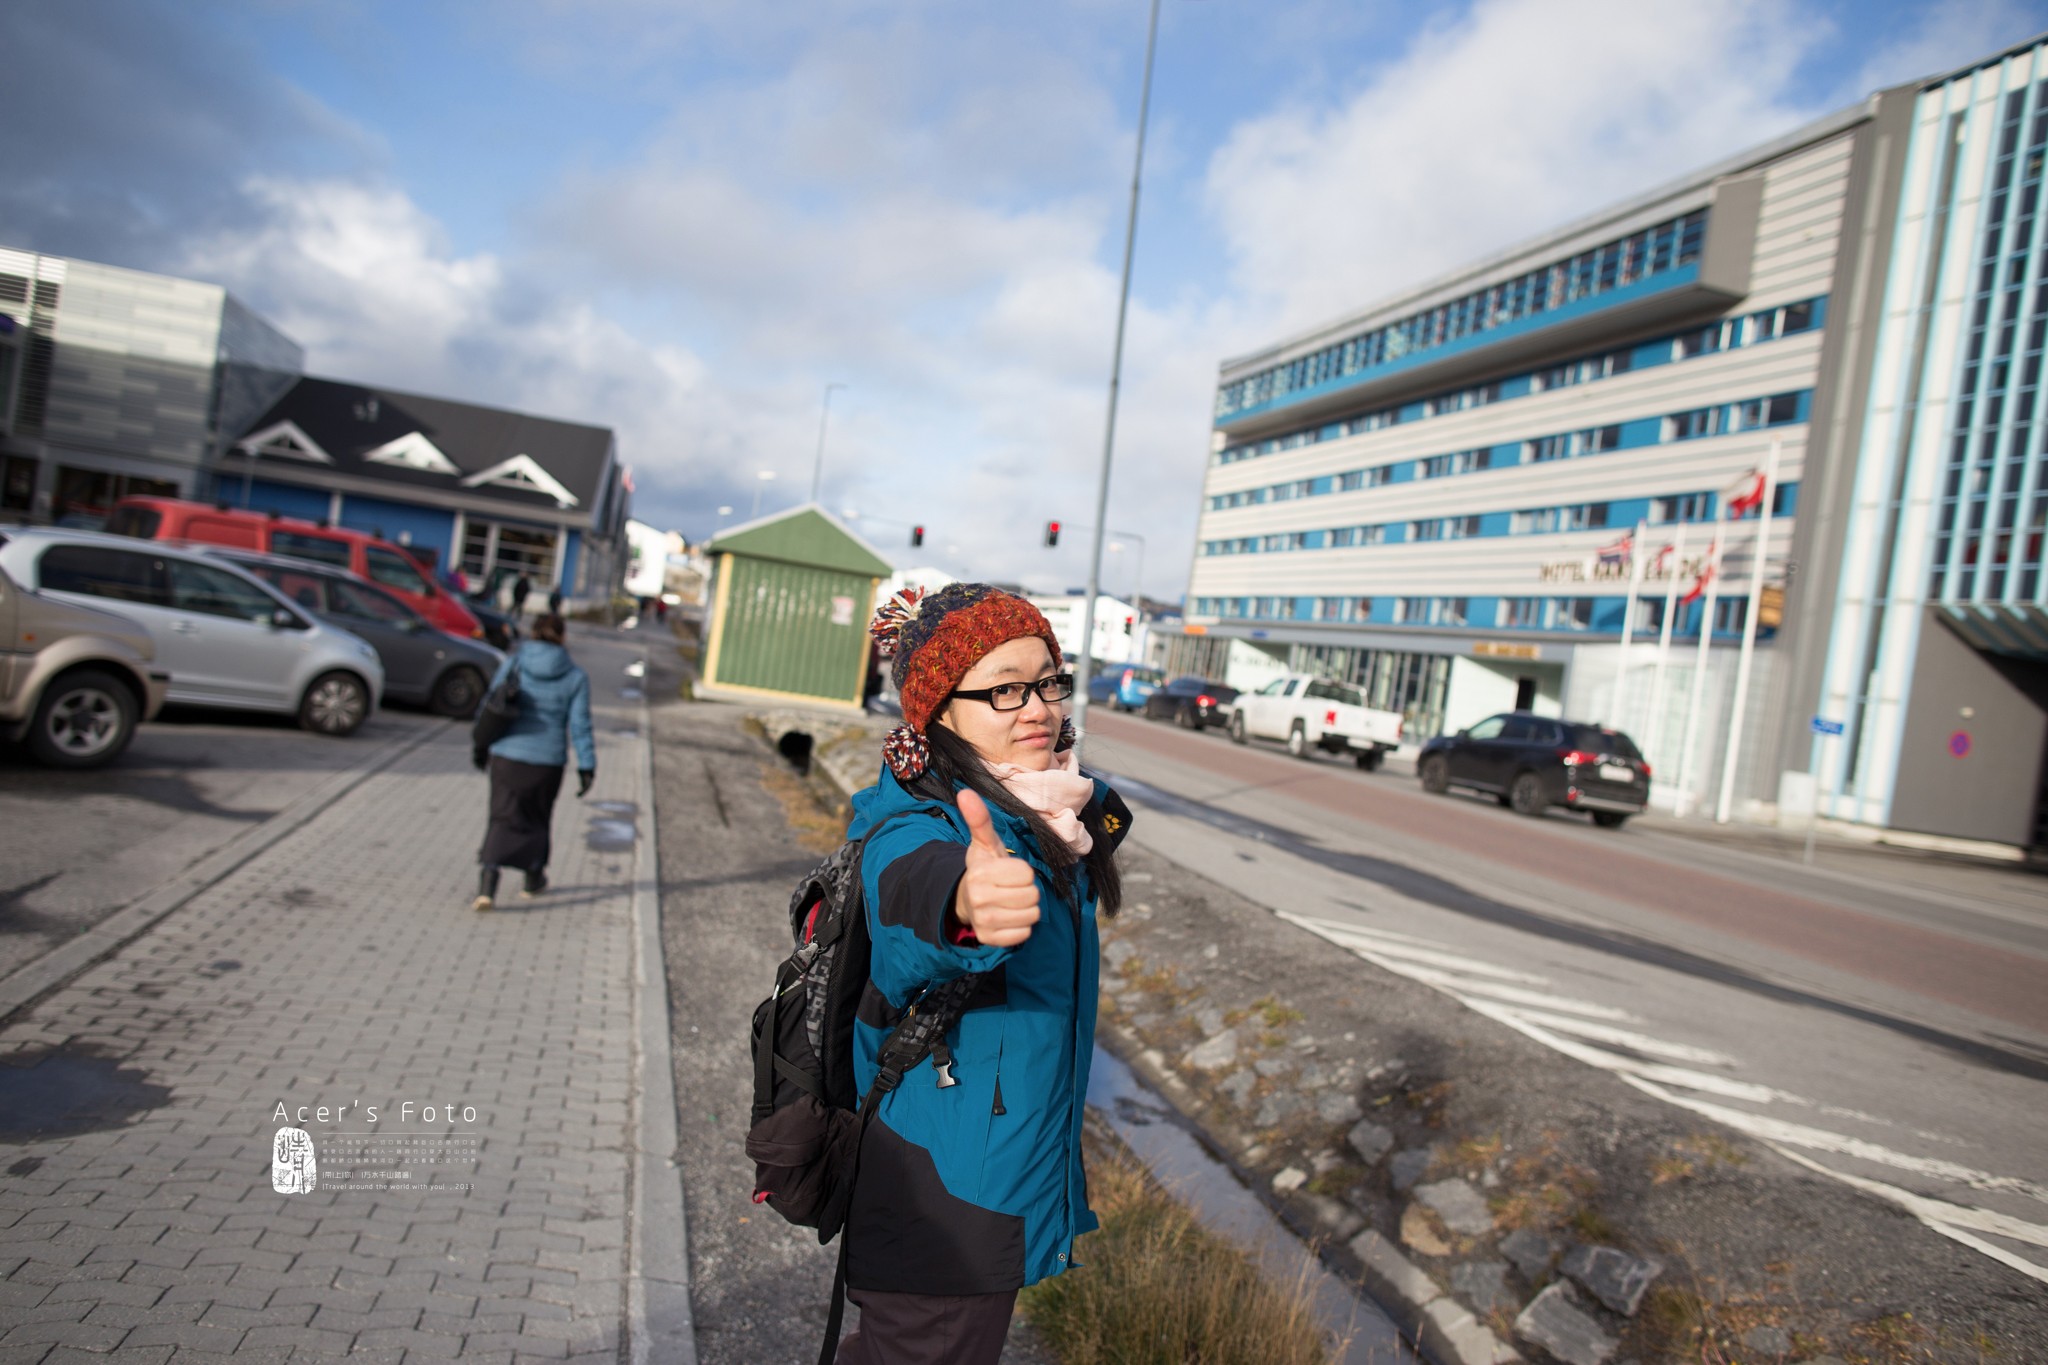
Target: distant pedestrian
{"points": [[521, 587], [661, 610], [526, 765], [555, 601], [997, 853]]}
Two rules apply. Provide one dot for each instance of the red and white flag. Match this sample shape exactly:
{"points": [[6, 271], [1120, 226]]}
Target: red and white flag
{"points": [[1706, 576], [1618, 552], [1748, 495]]}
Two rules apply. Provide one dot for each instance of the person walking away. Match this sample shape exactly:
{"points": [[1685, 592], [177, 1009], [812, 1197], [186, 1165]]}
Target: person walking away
{"points": [[555, 600], [521, 588], [526, 764], [992, 852]]}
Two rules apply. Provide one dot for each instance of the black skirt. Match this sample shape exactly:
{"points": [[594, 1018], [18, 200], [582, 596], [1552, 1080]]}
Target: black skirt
{"points": [[522, 811]]}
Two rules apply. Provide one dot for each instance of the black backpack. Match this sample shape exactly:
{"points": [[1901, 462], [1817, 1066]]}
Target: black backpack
{"points": [[808, 1117]]}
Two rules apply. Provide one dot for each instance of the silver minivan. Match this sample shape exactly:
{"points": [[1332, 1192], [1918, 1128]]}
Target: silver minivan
{"points": [[227, 639]]}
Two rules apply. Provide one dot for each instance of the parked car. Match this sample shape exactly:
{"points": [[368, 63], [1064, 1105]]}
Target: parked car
{"points": [[422, 666], [226, 638], [362, 554], [1123, 686], [1311, 713], [1191, 702], [74, 681], [500, 630], [1532, 763]]}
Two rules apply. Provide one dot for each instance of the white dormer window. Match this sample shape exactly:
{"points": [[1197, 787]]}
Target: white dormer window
{"points": [[524, 472], [413, 451], [286, 440]]}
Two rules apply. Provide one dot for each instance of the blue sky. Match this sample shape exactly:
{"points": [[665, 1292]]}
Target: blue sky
{"points": [[682, 218]]}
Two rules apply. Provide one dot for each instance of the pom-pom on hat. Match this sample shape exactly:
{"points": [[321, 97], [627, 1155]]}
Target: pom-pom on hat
{"points": [[933, 639]]}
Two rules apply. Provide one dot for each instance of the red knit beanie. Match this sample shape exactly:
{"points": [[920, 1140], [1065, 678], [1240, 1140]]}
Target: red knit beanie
{"points": [[933, 639]]}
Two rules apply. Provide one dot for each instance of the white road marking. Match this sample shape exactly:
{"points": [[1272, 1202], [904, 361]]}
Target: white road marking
{"points": [[1620, 1037], [1629, 1066], [1427, 958]]}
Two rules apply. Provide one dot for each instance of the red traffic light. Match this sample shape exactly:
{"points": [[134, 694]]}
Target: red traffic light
{"points": [[917, 535], [1052, 533]]}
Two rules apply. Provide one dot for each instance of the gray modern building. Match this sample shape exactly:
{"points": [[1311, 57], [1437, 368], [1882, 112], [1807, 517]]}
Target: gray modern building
{"points": [[1747, 459], [117, 381]]}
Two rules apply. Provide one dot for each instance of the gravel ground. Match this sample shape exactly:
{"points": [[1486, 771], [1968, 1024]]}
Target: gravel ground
{"points": [[737, 830]]}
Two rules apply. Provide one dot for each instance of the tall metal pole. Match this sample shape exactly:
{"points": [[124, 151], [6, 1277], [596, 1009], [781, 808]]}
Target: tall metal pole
{"points": [[1726, 803], [1699, 672], [1628, 625], [818, 468], [1116, 370], [1656, 727]]}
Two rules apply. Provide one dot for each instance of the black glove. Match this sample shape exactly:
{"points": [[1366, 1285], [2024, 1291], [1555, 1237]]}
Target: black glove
{"points": [[480, 759], [584, 777]]}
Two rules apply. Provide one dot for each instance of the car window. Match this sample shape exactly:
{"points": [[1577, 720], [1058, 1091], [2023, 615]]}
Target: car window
{"points": [[1289, 690], [1489, 728], [123, 575], [302, 588], [1595, 740], [1522, 729], [393, 571], [216, 592], [319, 549], [140, 522], [353, 599], [1274, 688]]}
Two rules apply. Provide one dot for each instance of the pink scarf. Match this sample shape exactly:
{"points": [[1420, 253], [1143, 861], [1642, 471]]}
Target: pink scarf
{"points": [[1059, 795]]}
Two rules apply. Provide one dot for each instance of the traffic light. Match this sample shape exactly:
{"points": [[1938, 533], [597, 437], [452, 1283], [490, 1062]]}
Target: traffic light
{"points": [[916, 536], [1052, 533]]}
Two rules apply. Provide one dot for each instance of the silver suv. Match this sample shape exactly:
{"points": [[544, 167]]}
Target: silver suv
{"points": [[227, 639], [74, 681]]}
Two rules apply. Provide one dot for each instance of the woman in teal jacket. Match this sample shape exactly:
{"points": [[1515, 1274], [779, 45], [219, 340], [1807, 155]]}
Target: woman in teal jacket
{"points": [[992, 853], [526, 764]]}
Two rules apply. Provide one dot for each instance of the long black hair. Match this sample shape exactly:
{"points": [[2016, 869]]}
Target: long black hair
{"points": [[953, 760]]}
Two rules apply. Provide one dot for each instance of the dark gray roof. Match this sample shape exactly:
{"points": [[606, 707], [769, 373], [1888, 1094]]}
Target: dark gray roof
{"points": [[349, 421]]}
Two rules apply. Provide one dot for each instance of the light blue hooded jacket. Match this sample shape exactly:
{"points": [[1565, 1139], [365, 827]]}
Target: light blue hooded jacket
{"points": [[554, 707]]}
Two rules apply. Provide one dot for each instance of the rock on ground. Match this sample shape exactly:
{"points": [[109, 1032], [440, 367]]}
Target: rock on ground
{"points": [[1554, 1321]]}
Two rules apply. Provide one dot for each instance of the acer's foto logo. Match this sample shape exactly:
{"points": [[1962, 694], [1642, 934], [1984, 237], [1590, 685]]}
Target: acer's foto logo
{"points": [[293, 1167]]}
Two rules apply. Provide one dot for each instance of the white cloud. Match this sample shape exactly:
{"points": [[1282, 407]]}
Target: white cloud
{"points": [[1491, 128]]}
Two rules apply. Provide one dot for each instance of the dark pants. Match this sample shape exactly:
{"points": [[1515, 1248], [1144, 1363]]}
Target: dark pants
{"points": [[522, 814], [927, 1329]]}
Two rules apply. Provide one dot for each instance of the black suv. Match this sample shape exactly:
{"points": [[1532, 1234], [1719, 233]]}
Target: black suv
{"points": [[1532, 763], [1192, 703]]}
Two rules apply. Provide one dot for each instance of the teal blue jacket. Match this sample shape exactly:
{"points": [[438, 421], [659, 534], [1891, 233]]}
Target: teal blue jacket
{"points": [[976, 1188], [554, 708]]}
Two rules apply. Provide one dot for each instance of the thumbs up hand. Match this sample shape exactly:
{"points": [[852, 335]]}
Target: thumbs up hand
{"points": [[998, 894]]}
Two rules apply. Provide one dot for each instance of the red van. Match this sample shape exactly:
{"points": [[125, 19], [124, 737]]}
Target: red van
{"points": [[360, 553]]}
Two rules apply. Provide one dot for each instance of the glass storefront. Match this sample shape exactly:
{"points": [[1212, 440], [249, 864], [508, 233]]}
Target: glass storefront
{"points": [[86, 496], [495, 554]]}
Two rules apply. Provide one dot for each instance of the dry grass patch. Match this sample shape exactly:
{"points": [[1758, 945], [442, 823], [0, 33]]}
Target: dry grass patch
{"points": [[814, 829], [1154, 1287]]}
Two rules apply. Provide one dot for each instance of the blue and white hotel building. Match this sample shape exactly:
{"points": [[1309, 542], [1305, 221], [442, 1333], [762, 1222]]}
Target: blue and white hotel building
{"points": [[1440, 496]]}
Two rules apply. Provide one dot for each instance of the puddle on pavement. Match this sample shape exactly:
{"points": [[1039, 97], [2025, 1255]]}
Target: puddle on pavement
{"points": [[54, 1092], [627, 809], [610, 836], [636, 669], [631, 694], [629, 731], [1150, 1127]]}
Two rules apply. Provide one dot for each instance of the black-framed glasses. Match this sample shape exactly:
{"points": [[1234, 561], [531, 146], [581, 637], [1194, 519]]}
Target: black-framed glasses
{"points": [[1010, 696]]}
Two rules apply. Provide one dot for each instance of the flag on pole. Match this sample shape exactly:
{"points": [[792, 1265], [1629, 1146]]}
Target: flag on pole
{"points": [[1751, 496], [1706, 576], [1617, 553]]}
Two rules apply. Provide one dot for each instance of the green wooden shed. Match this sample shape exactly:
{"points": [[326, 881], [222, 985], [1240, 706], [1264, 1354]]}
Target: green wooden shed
{"points": [[791, 601]]}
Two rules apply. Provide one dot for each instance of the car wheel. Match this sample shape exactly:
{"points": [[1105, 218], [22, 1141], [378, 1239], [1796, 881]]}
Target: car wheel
{"points": [[1188, 719], [1370, 760], [84, 720], [1526, 795], [1610, 819], [336, 704], [458, 692], [1436, 774], [1297, 741], [1237, 726]]}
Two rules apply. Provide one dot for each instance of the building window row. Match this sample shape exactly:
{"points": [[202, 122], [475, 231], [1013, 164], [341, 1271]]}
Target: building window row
{"points": [[1720, 420], [1580, 615], [1584, 516], [1612, 265], [1770, 324]]}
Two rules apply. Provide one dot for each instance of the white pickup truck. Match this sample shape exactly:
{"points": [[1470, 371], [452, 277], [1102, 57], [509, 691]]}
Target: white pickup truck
{"points": [[1312, 713]]}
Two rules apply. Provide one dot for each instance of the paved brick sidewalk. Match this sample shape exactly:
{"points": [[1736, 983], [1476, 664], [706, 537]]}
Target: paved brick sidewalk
{"points": [[341, 967]]}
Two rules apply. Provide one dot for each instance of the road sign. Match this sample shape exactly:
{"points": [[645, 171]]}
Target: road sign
{"points": [[1823, 726]]}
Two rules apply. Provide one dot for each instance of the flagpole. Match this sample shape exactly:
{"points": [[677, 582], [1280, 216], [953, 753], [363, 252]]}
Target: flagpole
{"points": [[1628, 628], [1748, 654], [1656, 735], [1699, 672]]}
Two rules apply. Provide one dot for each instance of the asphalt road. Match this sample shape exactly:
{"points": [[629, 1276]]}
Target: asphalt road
{"points": [[80, 845], [1882, 1017]]}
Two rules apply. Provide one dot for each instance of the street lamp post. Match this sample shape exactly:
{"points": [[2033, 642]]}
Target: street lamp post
{"points": [[824, 415], [723, 513], [1116, 370], [766, 476]]}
